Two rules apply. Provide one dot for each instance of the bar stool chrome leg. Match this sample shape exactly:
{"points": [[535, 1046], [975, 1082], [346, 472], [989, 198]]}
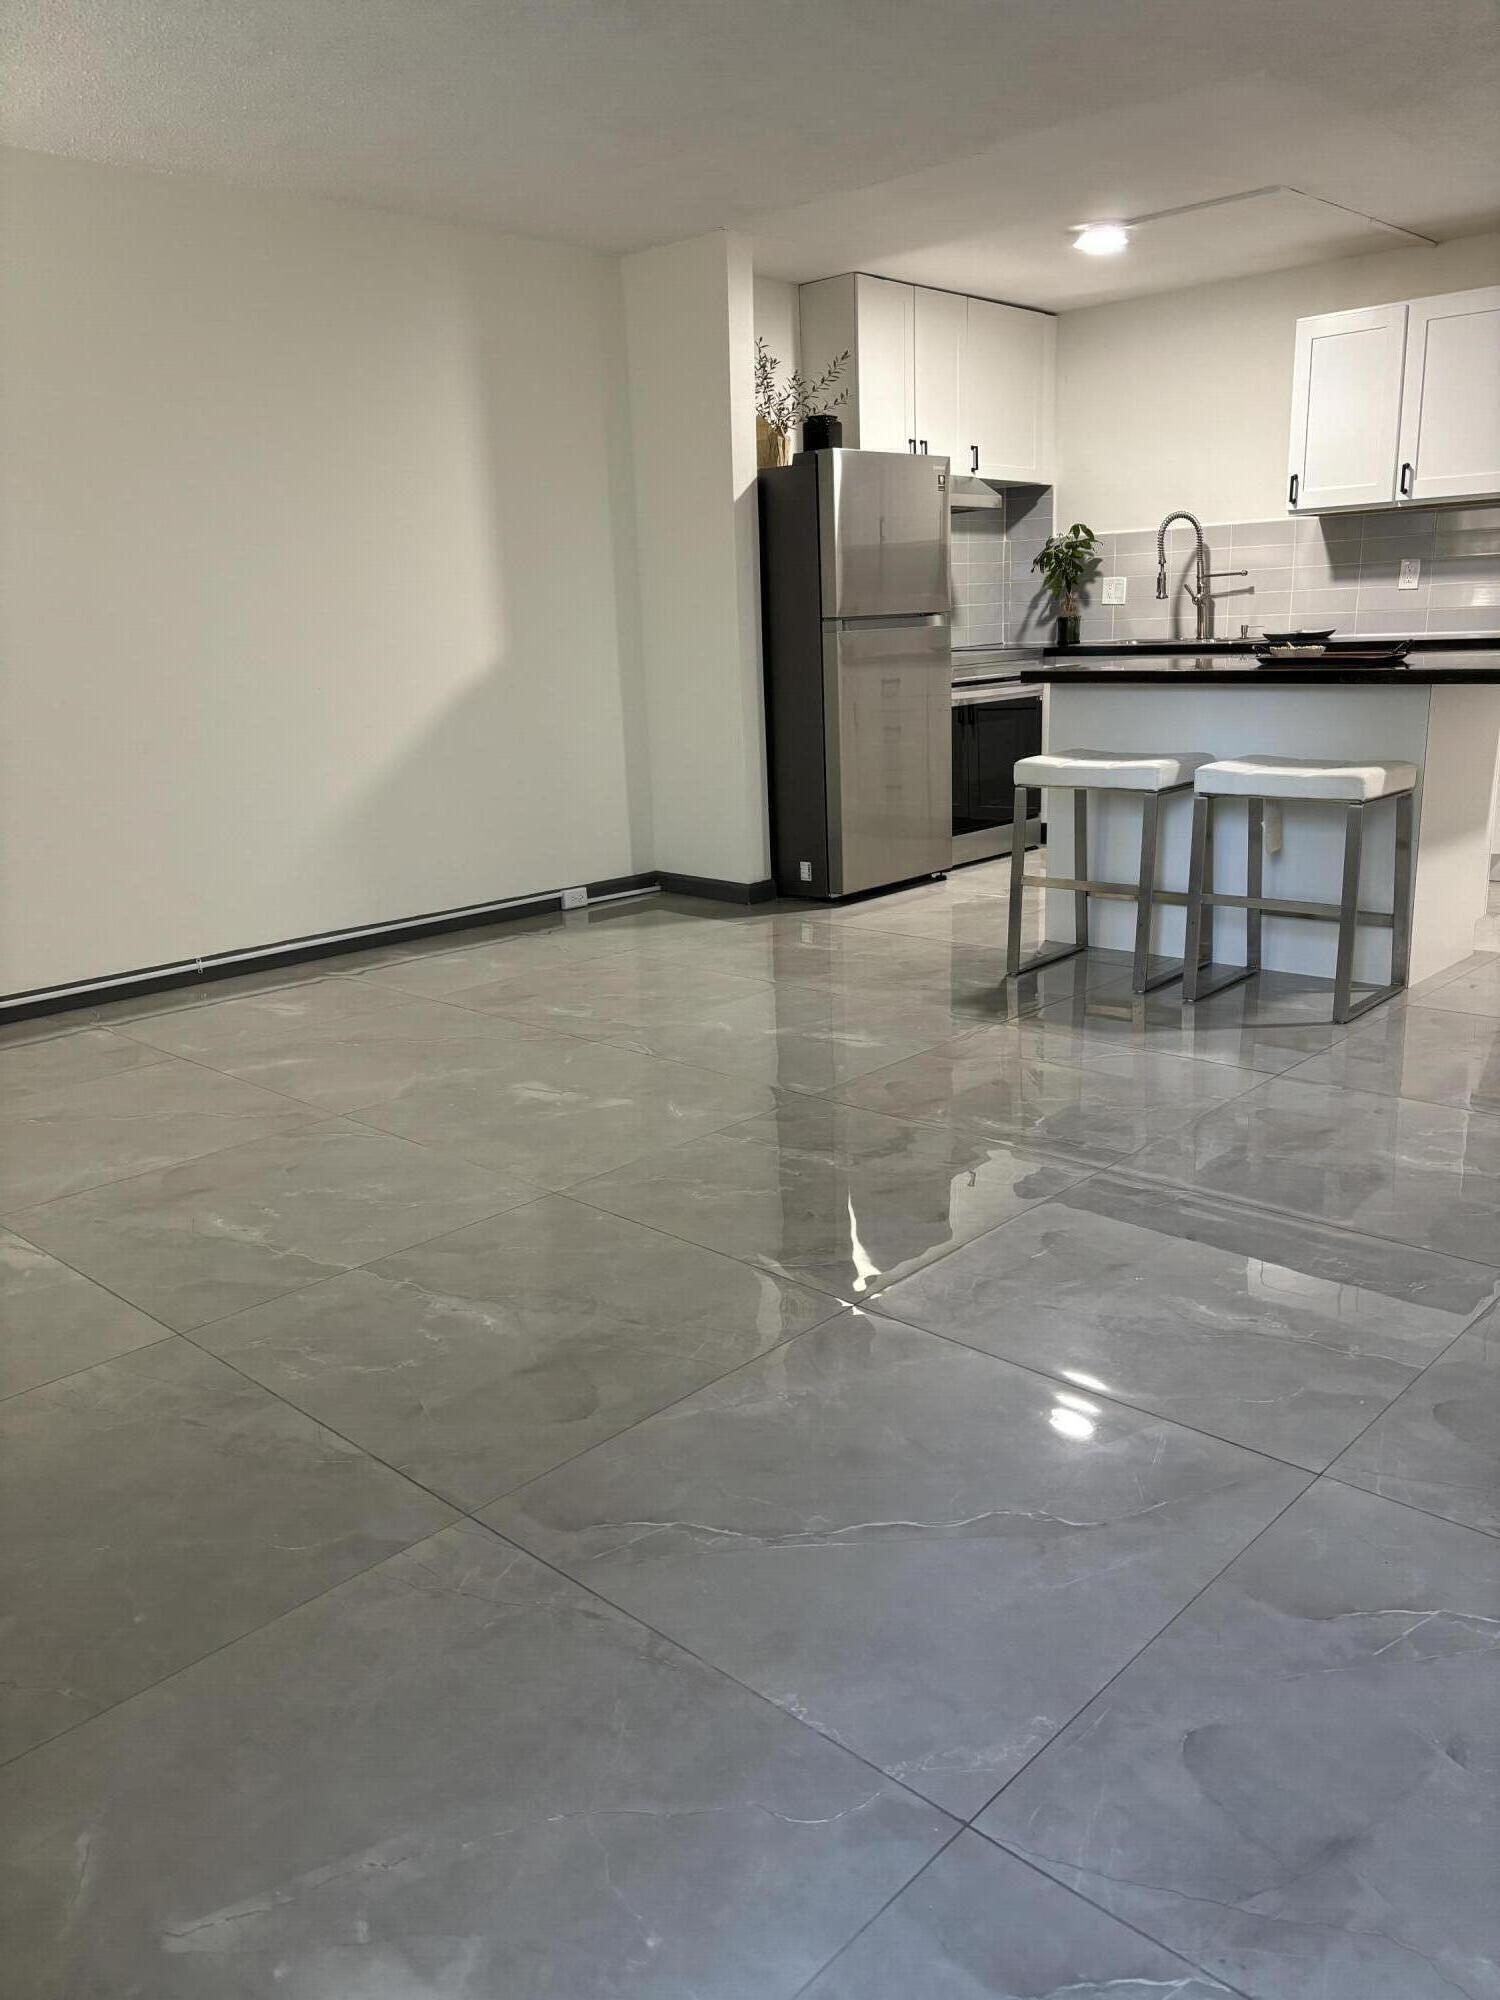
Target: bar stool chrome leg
{"points": [[1144, 891], [1081, 869], [1142, 980], [1255, 878], [1346, 1006], [1198, 947], [1402, 889], [1198, 937], [1013, 965], [1343, 971], [1346, 914]]}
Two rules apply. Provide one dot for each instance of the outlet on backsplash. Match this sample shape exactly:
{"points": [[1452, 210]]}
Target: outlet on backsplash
{"points": [[1411, 574], [1112, 589]]}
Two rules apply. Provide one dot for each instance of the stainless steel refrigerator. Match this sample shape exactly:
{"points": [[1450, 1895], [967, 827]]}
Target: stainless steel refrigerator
{"points": [[855, 624]]}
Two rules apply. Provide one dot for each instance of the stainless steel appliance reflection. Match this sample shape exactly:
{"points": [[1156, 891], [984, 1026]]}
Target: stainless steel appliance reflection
{"points": [[854, 564], [997, 720]]}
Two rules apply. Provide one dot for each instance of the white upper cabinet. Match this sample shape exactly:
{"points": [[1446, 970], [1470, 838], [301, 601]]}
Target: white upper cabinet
{"points": [[1450, 400], [1346, 409], [882, 364], [963, 378], [873, 320], [1008, 394], [1397, 404], [940, 321]]}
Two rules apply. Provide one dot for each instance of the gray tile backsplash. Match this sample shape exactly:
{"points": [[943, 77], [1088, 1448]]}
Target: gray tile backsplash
{"points": [[977, 555], [1340, 570], [997, 596]]}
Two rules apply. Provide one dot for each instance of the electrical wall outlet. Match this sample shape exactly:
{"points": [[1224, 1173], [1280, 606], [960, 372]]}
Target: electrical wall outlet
{"points": [[804, 871], [1411, 573], [574, 899], [1113, 591]]}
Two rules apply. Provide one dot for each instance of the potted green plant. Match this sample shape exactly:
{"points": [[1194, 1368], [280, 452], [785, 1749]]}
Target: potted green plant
{"points": [[781, 406], [1066, 562]]}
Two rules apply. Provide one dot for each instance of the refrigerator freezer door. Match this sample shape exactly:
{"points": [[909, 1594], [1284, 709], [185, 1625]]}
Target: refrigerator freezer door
{"points": [[890, 757], [883, 524]]}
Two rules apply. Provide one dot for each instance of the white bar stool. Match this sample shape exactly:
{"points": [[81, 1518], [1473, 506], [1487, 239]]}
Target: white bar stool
{"points": [[1163, 775], [1286, 780]]}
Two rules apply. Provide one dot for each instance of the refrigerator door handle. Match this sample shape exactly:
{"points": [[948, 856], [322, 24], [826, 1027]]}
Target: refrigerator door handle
{"points": [[915, 620]]}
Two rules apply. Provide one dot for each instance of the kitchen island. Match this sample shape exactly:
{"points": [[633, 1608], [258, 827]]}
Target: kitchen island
{"points": [[1439, 709]]}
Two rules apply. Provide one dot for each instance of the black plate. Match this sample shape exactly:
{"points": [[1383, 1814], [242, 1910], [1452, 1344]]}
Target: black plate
{"points": [[1299, 638]]}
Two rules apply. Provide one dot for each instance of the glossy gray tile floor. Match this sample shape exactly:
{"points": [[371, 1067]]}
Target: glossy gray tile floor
{"points": [[686, 1453]]}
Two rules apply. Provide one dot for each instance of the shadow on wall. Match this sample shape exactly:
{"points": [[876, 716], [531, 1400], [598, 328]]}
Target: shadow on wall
{"points": [[528, 771], [1030, 610]]}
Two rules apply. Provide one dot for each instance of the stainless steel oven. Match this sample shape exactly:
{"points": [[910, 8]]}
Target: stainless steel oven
{"points": [[995, 723]]}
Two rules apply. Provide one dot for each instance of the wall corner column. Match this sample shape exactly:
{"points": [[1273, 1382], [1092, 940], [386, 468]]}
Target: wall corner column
{"points": [[689, 320]]}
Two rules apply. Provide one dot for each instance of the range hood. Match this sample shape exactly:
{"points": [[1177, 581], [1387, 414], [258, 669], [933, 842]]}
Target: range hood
{"points": [[968, 495]]}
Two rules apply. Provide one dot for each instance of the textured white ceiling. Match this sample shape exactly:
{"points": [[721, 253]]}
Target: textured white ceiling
{"points": [[961, 136]]}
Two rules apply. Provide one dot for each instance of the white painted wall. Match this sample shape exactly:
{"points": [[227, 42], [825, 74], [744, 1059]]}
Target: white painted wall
{"points": [[778, 320], [316, 578], [1183, 399], [690, 329]]}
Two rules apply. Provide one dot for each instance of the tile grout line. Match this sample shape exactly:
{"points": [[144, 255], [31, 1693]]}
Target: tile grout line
{"points": [[463, 1516], [471, 1515], [957, 1834], [189, 1666], [1287, 1214], [1491, 1310], [1088, 1171], [1100, 1692], [1119, 1401], [72, 1374], [565, 1194], [1052, 1882]]}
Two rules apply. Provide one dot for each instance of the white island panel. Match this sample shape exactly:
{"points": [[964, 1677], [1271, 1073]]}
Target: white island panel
{"points": [[1449, 732]]}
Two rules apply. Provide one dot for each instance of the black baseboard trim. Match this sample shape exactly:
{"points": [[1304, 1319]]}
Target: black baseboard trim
{"points": [[295, 951], [714, 891]]}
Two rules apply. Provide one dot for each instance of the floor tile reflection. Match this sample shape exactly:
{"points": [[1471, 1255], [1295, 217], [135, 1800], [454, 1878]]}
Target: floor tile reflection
{"points": [[841, 1198], [930, 1555], [1426, 1174], [930, 1397], [1281, 1334]]}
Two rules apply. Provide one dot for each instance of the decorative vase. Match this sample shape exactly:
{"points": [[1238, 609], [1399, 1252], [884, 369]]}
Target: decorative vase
{"points": [[1069, 628], [772, 447], [824, 433]]}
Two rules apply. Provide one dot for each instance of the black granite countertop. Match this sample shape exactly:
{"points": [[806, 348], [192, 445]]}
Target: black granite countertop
{"points": [[1467, 642], [1424, 666]]}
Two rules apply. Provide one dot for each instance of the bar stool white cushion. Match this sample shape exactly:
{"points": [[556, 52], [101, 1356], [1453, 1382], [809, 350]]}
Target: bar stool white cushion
{"points": [[1303, 778], [1110, 770]]}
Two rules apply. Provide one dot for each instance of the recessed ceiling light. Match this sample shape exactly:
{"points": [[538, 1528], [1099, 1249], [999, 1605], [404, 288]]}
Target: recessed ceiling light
{"points": [[1102, 239]]}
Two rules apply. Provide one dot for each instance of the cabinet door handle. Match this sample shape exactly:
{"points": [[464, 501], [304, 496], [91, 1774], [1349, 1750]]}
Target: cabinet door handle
{"points": [[1291, 493], [1408, 480], [911, 446], [924, 447], [973, 458]]}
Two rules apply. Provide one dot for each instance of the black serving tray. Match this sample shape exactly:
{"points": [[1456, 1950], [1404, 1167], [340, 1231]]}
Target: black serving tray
{"points": [[1343, 653]]}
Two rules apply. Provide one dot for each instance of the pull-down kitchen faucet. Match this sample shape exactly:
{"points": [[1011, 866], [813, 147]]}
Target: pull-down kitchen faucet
{"points": [[1200, 596]]}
